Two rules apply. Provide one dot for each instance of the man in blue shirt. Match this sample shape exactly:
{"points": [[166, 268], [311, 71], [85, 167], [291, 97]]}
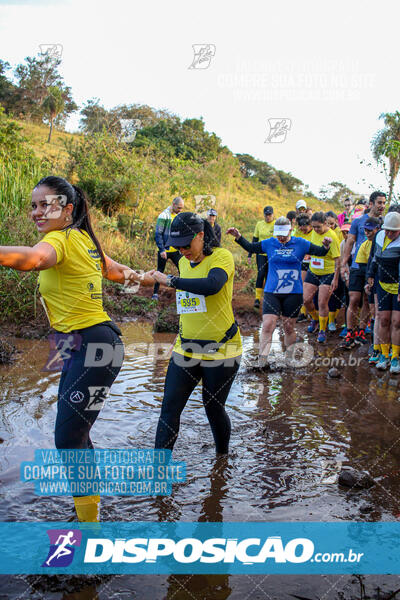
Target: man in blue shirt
{"points": [[354, 277]]}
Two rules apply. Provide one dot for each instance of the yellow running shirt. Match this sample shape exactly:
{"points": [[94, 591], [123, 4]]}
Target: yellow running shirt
{"points": [[324, 265], [363, 252], [218, 317], [339, 234], [72, 289], [305, 236], [390, 288], [264, 230]]}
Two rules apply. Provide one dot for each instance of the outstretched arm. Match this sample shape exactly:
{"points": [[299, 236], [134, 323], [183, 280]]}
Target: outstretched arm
{"points": [[24, 258], [255, 247], [123, 274]]}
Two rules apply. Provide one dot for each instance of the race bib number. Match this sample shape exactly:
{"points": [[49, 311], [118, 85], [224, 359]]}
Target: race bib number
{"points": [[187, 302], [317, 263]]}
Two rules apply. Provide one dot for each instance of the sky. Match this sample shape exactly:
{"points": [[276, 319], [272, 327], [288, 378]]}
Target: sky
{"points": [[327, 70]]}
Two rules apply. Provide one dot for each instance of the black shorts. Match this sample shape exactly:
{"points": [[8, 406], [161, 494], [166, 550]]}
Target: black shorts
{"points": [[387, 301], [357, 280], [371, 296], [287, 305], [304, 266], [318, 279]]}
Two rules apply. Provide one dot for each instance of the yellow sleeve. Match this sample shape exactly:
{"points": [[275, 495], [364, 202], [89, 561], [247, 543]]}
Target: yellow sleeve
{"points": [[58, 240], [223, 259], [256, 234], [363, 253], [334, 248]]}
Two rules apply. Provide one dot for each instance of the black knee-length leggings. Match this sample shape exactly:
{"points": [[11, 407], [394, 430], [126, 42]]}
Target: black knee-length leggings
{"points": [[180, 383]]}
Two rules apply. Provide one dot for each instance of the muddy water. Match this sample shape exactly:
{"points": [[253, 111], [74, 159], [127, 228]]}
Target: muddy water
{"points": [[292, 431]]}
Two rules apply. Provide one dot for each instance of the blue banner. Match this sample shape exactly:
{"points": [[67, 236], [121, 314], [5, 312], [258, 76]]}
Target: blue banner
{"points": [[220, 548]]}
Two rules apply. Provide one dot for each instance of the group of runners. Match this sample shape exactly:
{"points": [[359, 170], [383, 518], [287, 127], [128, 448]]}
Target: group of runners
{"points": [[303, 257]]}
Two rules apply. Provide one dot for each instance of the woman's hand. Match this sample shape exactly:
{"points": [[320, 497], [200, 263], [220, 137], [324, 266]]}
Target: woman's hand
{"points": [[334, 284], [147, 278], [159, 277], [233, 231], [326, 242]]}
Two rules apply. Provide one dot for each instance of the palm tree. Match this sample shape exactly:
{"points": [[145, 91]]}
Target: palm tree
{"points": [[386, 144], [53, 105]]}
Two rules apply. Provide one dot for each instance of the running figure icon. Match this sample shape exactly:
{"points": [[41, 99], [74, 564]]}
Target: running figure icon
{"points": [[62, 549]]}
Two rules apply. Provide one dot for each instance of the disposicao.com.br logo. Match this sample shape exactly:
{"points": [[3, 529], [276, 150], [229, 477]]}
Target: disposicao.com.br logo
{"points": [[62, 547]]}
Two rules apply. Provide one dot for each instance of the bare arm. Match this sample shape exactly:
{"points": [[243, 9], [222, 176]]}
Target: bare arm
{"points": [[122, 273], [25, 258], [351, 239]]}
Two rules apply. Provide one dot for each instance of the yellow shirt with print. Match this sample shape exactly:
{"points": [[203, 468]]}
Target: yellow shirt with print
{"points": [[213, 324], [264, 230], [328, 261], [171, 248], [72, 289], [305, 236], [364, 252], [339, 234], [390, 288]]}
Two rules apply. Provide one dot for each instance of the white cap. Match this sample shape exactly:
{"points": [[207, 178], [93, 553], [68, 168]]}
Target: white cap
{"points": [[392, 221], [282, 230], [300, 204]]}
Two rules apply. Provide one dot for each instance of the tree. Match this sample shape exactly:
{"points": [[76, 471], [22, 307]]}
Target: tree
{"points": [[7, 89], [386, 144], [53, 105], [34, 80]]}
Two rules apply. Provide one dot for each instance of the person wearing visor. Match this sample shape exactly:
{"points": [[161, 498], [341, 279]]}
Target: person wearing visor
{"points": [[322, 276], [263, 231], [208, 346], [212, 218], [283, 295], [384, 268]]}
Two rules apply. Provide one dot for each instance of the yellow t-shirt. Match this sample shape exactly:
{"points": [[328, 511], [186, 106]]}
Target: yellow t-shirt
{"points": [[72, 289], [305, 236], [339, 234], [390, 288], [171, 248], [213, 324], [264, 230], [363, 252], [324, 265]]}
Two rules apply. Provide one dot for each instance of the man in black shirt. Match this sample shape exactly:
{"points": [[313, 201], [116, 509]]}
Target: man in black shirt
{"points": [[211, 218]]}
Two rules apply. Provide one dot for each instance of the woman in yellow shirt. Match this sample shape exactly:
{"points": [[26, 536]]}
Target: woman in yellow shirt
{"points": [[208, 346], [72, 264], [263, 231]]}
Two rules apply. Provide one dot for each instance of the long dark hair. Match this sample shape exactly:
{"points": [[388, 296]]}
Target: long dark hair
{"points": [[80, 213], [210, 240]]}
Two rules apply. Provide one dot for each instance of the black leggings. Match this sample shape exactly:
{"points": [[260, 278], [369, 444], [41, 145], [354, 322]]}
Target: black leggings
{"points": [[161, 263], [83, 389], [262, 270], [180, 383]]}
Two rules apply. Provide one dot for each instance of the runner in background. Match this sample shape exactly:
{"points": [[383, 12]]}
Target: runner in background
{"points": [[292, 215], [211, 218], [384, 269], [283, 295], [303, 230], [163, 226], [332, 222], [301, 208], [263, 231], [353, 276], [345, 228], [208, 346], [347, 214], [336, 301], [72, 264], [322, 276]]}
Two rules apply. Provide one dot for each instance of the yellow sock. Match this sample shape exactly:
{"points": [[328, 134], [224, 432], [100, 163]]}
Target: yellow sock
{"points": [[87, 508], [303, 310], [322, 323], [377, 347], [395, 351], [385, 350], [314, 315], [332, 317], [259, 293], [336, 312]]}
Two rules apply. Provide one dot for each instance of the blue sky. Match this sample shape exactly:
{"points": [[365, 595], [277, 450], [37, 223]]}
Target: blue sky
{"points": [[329, 68]]}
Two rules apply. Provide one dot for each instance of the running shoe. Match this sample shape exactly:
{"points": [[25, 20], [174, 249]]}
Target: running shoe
{"points": [[360, 337], [349, 342], [321, 337], [343, 332], [373, 359], [332, 326], [154, 297], [301, 318], [256, 303], [312, 326], [382, 363], [395, 365]]}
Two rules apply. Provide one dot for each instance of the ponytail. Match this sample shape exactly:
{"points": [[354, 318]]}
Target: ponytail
{"points": [[210, 241]]}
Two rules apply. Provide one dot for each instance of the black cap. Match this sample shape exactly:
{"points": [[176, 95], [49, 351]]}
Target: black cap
{"points": [[372, 223], [268, 210], [183, 229]]}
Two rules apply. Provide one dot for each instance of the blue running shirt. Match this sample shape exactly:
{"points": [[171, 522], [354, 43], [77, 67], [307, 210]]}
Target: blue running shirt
{"points": [[284, 265]]}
